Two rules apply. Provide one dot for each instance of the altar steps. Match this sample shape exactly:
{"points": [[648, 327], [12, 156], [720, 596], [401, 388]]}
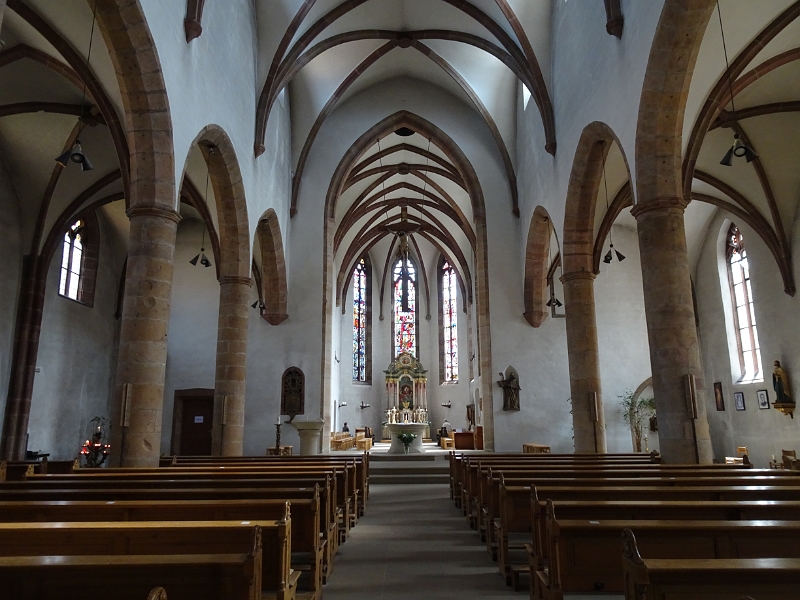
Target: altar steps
{"points": [[408, 469]]}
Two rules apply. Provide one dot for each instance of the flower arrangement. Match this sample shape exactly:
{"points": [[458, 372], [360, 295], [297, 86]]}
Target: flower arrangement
{"points": [[406, 439]]}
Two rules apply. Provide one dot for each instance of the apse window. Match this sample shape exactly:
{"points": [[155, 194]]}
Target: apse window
{"points": [[72, 262], [748, 349], [405, 307], [361, 316], [449, 323]]}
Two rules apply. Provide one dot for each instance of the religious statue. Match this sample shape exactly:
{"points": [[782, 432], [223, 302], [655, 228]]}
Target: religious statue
{"points": [[511, 390], [780, 382]]}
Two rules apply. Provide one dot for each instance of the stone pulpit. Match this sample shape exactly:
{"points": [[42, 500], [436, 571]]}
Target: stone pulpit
{"points": [[406, 393]]}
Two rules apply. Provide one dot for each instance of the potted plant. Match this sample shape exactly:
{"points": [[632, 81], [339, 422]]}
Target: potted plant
{"points": [[406, 439], [636, 413]]}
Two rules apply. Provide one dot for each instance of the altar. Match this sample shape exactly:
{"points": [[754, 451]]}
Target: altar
{"points": [[417, 429], [406, 399]]}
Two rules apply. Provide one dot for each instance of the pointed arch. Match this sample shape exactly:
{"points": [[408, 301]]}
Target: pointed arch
{"points": [[537, 263], [468, 175], [274, 290], [584, 182], [226, 180]]}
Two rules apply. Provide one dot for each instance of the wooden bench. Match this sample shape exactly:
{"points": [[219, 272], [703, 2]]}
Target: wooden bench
{"points": [[583, 556], [307, 545], [162, 491], [276, 578], [344, 491], [535, 449], [515, 524], [18, 470], [188, 577], [702, 579]]}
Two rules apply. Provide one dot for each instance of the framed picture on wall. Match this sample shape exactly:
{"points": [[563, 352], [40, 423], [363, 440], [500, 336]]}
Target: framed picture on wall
{"points": [[738, 400], [763, 399], [718, 398]]}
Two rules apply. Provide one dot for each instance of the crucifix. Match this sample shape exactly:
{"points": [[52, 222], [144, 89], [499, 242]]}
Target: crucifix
{"points": [[403, 230]]}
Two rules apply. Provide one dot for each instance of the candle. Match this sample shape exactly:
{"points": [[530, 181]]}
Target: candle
{"points": [[278, 421]]}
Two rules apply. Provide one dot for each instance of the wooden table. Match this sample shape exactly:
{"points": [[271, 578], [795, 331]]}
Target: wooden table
{"points": [[535, 449]]}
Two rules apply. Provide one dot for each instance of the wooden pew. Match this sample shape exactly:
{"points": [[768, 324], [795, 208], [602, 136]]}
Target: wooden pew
{"points": [[361, 462], [123, 491], [164, 538], [188, 576], [458, 460], [693, 579], [583, 556], [307, 546], [18, 470], [515, 523], [346, 489]]}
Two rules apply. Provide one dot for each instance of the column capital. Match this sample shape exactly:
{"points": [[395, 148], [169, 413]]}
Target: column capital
{"points": [[235, 279], [658, 204], [152, 210], [577, 275]]}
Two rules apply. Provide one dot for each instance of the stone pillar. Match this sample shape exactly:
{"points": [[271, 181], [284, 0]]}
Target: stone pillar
{"points": [[24, 356], [141, 365], [229, 387], [584, 362], [671, 330]]}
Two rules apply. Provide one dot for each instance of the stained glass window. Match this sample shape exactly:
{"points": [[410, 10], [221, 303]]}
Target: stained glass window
{"points": [[744, 315], [449, 323], [360, 321], [72, 262], [405, 307]]}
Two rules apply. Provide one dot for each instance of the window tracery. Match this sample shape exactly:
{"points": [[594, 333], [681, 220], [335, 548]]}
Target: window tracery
{"points": [[449, 323], [405, 306], [72, 262], [361, 325], [744, 316]]}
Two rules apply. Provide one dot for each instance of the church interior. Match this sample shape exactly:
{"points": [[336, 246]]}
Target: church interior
{"points": [[534, 257]]}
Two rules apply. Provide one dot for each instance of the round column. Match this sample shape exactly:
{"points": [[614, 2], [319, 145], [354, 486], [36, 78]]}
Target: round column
{"points": [[584, 362], [229, 387], [671, 330], [141, 364]]}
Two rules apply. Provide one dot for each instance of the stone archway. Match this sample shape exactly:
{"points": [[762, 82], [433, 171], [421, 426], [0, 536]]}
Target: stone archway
{"points": [[674, 350], [578, 279], [274, 290], [472, 184], [537, 253], [234, 289]]}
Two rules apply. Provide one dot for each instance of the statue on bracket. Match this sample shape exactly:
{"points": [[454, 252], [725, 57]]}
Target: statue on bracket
{"points": [[293, 392], [510, 384], [780, 383]]}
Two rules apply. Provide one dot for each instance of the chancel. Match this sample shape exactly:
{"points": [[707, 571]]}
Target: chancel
{"points": [[362, 298]]}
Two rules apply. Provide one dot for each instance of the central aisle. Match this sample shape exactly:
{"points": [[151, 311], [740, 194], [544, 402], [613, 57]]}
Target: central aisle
{"points": [[413, 543]]}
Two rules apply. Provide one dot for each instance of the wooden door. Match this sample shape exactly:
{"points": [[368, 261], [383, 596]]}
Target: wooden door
{"points": [[196, 424]]}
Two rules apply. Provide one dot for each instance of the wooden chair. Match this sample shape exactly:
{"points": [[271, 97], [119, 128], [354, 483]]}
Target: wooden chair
{"points": [[792, 453], [741, 451]]}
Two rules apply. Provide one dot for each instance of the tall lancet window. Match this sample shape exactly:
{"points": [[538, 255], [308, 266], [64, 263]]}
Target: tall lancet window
{"points": [[405, 306], [361, 321], [744, 316], [72, 262], [449, 323]]}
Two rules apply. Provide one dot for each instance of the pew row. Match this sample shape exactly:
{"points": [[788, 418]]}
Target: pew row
{"points": [[306, 543], [702, 579], [583, 556]]}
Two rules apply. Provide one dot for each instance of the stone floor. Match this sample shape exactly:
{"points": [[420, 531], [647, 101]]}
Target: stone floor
{"points": [[414, 544]]}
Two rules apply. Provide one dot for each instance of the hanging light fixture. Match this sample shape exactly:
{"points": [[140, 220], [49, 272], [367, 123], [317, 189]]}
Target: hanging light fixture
{"points": [[554, 302], [259, 303], [201, 256], [611, 250], [739, 149], [76, 154]]}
